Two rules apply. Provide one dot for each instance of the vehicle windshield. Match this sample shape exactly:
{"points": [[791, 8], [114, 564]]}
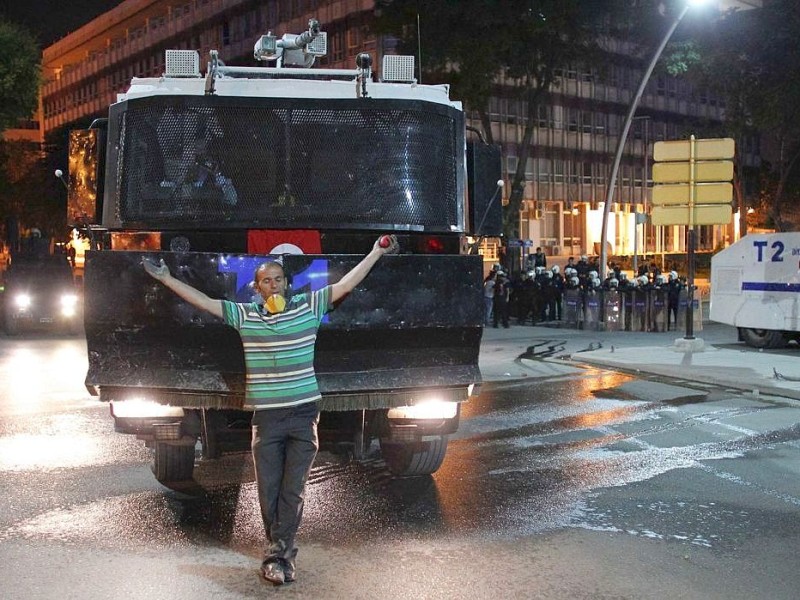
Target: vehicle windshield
{"points": [[54, 269]]}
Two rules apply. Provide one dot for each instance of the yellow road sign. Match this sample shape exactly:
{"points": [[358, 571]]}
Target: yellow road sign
{"points": [[708, 214], [705, 193], [709, 149], [680, 172]]}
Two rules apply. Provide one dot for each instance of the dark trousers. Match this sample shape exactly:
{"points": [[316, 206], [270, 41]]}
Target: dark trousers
{"points": [[672, 315], [500, 311], [284, 446]]}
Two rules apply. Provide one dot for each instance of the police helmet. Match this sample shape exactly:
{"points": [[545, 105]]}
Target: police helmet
{"points": [[574, 281], [548, 274], [596, 282], [673, 274], [592, 274], [613, 283], [643, 280], [555, 269]]}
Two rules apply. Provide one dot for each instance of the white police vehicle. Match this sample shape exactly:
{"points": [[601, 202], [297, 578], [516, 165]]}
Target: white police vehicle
{"points": [[755, 286]]}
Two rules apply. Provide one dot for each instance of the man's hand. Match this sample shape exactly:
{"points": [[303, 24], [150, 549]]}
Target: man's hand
{"points": [[387, 244], [157, 271]]}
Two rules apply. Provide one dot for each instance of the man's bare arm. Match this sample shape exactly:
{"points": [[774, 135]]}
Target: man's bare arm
{"points": [[193, 296]]}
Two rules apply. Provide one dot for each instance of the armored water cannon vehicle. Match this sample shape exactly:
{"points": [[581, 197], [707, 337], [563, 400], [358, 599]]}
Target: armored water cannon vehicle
{"points": [[755, 286], [219, 172]]}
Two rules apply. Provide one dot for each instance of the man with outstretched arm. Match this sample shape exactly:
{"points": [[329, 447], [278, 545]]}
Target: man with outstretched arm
{"points": [[278, 337]]}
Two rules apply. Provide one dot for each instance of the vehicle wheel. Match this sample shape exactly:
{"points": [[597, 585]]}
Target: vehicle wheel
{"points": [[11, 325], [414, 458], [360, 445], [173, 463], [763, 338]]}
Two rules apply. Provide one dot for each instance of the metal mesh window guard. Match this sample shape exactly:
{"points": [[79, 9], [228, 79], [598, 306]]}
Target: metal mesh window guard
{"points": [[220, 162]]}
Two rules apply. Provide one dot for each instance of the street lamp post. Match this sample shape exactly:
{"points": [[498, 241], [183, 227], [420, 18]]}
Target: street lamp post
{"points": [[636, 221], [60, 176], [623, 136]]}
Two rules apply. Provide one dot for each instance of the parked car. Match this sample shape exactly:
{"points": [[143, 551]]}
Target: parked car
{"points": [[40, 293]]}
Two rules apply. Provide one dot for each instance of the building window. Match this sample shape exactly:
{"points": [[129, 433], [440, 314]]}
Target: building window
{"points": [[336, 45], [586, 172], [544, 170], [572, 172], [544, 115], [354, 37], [573, 114], [586, 121], [558, 171], [511, 164]]}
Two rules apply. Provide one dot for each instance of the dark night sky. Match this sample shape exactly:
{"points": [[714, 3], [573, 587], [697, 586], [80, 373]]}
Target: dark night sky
{"points": [[50, 20]]}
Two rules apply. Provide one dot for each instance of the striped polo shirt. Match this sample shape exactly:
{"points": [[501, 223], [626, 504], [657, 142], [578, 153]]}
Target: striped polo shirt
{"points": [[279, 349]]}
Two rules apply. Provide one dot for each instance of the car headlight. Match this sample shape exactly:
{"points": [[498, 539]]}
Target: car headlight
{"points": [[428, 409], [68, 304], [22, 301], [141, 408], [69, 300]]}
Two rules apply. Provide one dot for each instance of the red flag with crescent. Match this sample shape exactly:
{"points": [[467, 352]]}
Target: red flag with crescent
{"points": [[283, 241]]}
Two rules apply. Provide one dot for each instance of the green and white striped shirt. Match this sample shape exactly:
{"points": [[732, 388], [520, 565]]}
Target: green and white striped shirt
{"points": [[279, 349]]}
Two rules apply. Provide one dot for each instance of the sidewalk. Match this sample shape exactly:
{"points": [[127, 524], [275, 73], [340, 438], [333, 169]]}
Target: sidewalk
{"points": [[538, 351]]}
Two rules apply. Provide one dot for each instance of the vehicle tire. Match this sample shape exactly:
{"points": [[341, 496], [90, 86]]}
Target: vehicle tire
{"points": [[11, 325], [414, 458], [173, 463], [763, 338], [361, 443]]}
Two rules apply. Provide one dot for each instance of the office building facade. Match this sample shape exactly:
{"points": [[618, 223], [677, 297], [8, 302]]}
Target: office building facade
{"points": [[571, 152]]}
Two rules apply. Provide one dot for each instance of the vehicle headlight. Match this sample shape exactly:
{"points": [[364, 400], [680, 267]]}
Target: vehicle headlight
{"points": [[69, 300], [142, 408], [22, 300], [68, 304], [428, 409]]}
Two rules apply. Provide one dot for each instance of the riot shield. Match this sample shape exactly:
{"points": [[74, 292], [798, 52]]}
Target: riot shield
{"points": [[639, 316], [658, 309], [573, 308], [592, 300], [627, 308], [613, 307]]}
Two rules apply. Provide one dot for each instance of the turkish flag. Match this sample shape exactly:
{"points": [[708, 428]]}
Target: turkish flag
{"points": [[283, 241]]}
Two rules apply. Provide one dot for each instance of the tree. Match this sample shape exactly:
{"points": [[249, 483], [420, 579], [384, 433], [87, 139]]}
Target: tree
{"points": [[29, 191], [20, 75], [476, 45], [750, 59]]}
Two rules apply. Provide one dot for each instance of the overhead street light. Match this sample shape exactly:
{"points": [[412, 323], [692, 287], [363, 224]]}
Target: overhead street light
{"points": [[623, 136], [60, 176]]}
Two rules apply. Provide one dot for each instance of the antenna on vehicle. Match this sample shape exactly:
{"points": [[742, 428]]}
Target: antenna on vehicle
{"points": [[419, 50]]}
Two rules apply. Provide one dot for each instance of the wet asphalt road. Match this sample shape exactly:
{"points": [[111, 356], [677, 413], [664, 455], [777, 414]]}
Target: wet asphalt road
{"points": [[589, 484]]}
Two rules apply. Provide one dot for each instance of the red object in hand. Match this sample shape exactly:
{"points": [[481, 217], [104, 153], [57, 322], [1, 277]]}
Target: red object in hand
{"points": [[385, 241]]}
